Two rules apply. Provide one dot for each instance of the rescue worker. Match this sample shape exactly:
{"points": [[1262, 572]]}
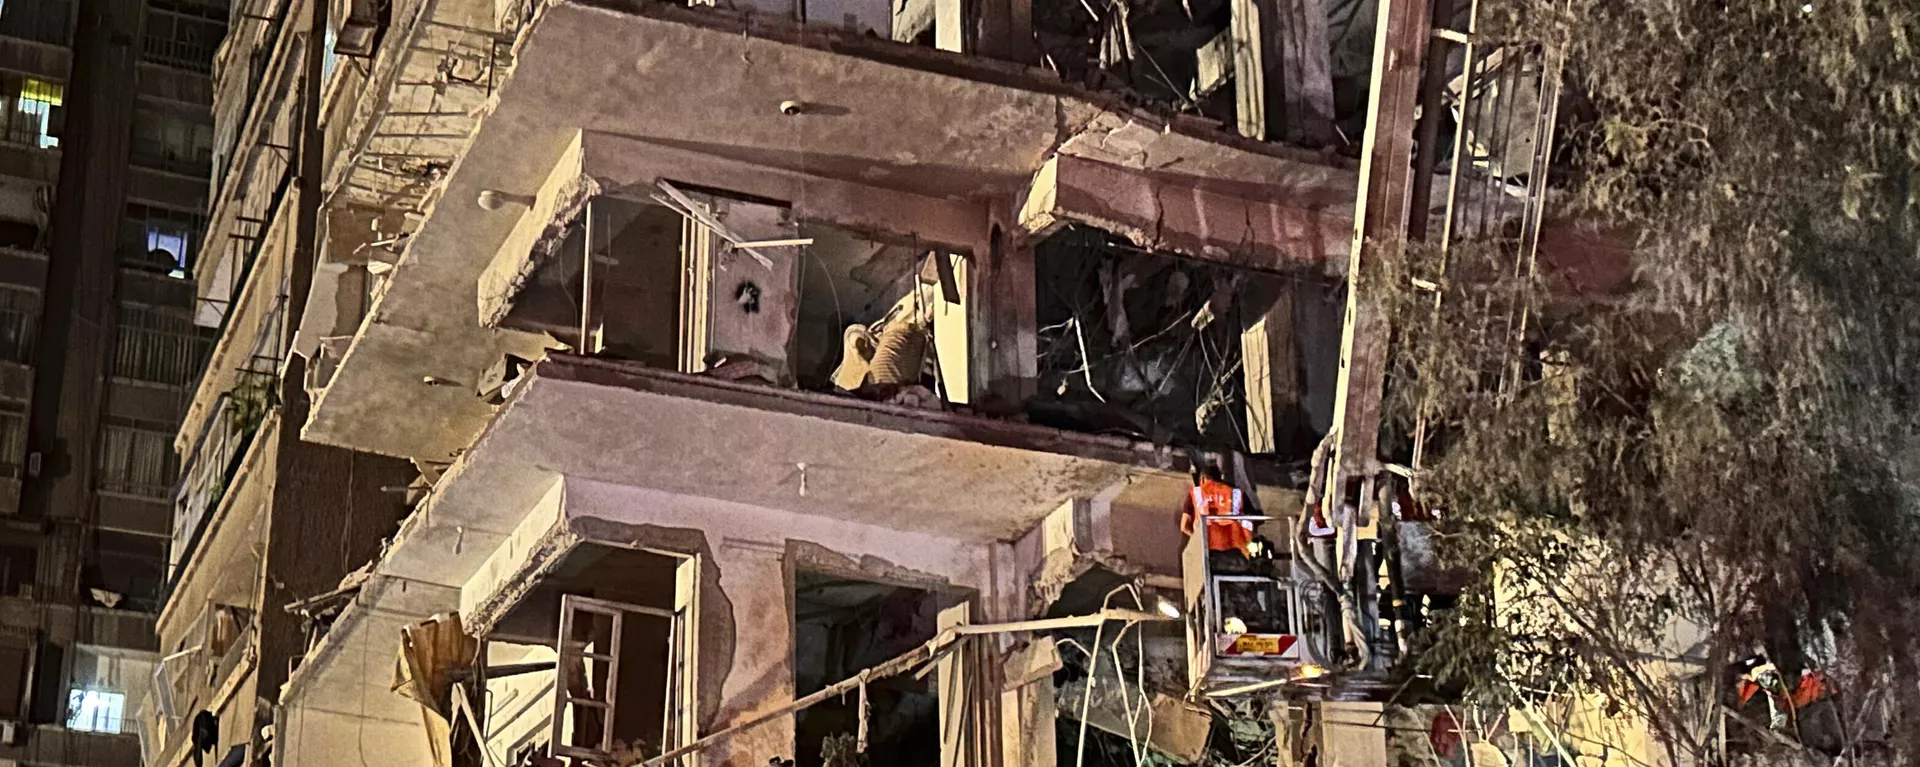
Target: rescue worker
{"points": [[1229, 544]]}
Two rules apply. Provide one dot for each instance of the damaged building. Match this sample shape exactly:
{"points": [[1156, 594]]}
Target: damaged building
{"points": [[624, 382]]}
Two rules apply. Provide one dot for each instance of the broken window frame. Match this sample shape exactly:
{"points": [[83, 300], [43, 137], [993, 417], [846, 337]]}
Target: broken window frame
{"points": [[680, 722], [711, 248], [571, 652]]}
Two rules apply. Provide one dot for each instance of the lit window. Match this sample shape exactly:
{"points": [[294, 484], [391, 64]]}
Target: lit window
{"points": [[171, 240], [95, 711], [37, 100]]}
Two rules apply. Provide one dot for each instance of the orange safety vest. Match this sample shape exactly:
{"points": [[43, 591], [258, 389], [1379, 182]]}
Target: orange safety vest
{"points": [[1812, 687], [1217, 499]]}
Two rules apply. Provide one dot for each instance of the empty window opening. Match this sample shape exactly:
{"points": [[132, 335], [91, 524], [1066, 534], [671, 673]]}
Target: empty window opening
{"points": [[735, 288], [1141, 668], [634, 312], [877, 320], [611, 682], [18, 568], [598, 630], [843, 626]]}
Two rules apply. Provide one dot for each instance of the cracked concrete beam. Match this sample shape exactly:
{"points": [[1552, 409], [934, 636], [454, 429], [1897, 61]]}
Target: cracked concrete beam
{"points": [[1182, 217], [557, 201]]}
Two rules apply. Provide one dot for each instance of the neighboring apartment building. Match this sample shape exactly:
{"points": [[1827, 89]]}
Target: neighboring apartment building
{"points": [[105, 142], [632, 370]]}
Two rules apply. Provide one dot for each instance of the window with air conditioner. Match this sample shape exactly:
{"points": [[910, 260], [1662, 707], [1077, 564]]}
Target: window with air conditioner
{"points": [[362, 22]]}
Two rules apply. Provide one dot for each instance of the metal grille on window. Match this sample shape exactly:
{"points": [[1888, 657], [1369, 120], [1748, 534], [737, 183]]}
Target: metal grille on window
{"points": [[13, 442], [183, 34], [158, 346]]}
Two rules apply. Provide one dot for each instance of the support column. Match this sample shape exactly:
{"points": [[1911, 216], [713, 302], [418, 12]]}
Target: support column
{"points": [[1006, 349], [1380, 223], [753, 575], [79, 315], [328, 515]]}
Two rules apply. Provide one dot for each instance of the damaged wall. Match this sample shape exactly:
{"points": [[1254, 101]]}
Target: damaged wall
{"points": [[750, 555]]}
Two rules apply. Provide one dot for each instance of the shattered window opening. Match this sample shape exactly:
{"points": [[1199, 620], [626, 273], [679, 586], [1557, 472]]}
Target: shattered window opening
{"points": [[1140, 343], [843, 626], [620, 681]]}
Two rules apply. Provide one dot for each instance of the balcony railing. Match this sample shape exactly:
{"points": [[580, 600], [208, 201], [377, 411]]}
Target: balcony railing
{"points": [[42, 21], [185, 37], [218, 450], [158, 347]]}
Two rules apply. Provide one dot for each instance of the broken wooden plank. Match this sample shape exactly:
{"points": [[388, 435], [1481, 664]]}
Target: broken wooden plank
{"points": [[1283, 70], [1215, 65], [1271, 364]]}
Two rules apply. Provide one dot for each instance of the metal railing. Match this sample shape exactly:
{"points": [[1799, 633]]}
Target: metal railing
{"points": [[160, 347], [181, 40], [215, 457], [42, 21]]}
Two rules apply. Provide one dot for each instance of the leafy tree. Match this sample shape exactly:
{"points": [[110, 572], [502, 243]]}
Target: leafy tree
{"points": [[1654, 486]]}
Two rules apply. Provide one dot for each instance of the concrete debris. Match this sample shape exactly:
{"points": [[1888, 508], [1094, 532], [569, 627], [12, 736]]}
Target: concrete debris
{"points": [[1164, 723], [1032, 662]]}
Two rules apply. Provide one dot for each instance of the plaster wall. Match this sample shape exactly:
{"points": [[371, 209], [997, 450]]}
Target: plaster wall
{"points": [[749, 558]]}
